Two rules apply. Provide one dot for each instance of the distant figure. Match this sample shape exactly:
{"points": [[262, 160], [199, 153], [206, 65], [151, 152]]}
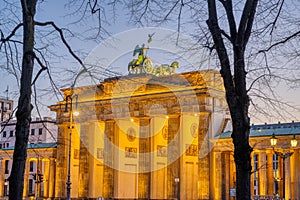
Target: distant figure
{"points": [[150, 38]]}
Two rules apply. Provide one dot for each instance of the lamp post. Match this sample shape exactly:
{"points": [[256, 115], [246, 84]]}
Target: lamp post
{"points": [[283, 155], [71, 113], [177, 187]]}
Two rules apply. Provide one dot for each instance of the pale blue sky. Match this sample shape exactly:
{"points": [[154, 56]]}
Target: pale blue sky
{"points": [[55, 10]]}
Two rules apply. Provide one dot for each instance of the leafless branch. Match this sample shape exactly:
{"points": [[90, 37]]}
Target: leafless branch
{"points": [[144, 12], [280, 42], [226, 35], [255, 80], [39, 113], [179, 21], [43, 68], [59, 30], [277, 16], [171, 10], [13, 32]]}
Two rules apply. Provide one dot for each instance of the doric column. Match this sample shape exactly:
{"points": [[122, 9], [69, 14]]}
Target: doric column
{"points": [[288, 178], [144, 159], [61, 161], [26, 178], [108, 173], [51, 178], [225, 167], [83, 160], [96, 156], [252, 177], [296, 165], [173, 168], [204, 164], [46, 172], [217, 170], [270, 175], [262, 171], [75, 131], [159, 143], [2, 163]]}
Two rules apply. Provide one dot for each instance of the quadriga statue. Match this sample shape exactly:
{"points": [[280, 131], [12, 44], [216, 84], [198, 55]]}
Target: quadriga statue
{"points": [[165, 69]]}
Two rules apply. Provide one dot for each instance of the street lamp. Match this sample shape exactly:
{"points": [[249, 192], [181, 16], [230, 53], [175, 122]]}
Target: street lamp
{"points": [[177, 187], [283, 155], [71, 113]]}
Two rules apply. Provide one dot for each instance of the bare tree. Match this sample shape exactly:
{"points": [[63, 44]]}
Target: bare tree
{"points": [[230, 24], [31, 53], [223, 26]]}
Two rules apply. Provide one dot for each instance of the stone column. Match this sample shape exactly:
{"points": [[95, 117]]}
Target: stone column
{"points": [[297, 174], [225, 173], [26, 178], [288, 178], [46, 172], [75, 129], [2, 163], [96, 156], [61, 160], [262, 171], [270, 175], [144, 159], [108, 173], [51, 178], [218, 175], [173, 169], [252, 176], [204, 164], [83, 185]]}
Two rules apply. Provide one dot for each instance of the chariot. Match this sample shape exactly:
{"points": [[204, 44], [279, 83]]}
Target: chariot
{"points": [[142, 64]]}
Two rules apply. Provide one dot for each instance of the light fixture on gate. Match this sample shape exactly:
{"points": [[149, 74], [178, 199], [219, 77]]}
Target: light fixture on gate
{"points": [[273, 140], [294, 142]]}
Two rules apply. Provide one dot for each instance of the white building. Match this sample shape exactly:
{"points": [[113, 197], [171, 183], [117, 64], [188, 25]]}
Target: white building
{"points": [[6, 109], [41, 131], [40, 156]]}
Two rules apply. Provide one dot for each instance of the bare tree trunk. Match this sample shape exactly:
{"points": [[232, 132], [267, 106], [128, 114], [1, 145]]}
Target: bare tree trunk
{"points": [[235, 86], [16, 179], [241, 126]]}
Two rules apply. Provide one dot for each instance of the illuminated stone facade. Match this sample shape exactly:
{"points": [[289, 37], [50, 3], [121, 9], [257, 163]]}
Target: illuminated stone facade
{"points": [[6, 109], [146, 137], [142, 137], [40, 157], [268, 170]]}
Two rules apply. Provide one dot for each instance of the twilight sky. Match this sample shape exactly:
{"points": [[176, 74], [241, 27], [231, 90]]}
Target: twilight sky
{"points": [[128, 37]]}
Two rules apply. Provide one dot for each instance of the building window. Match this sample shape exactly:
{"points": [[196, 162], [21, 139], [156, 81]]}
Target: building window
{"points": [[276, 173], [8, 106], [255, 175], [11, 134], [31, 166], [7, 145], [5, 187], [40, 131], [275, 164], [0, 146], [30, 186], [4, 134], [6, 167], [32, 131]]}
